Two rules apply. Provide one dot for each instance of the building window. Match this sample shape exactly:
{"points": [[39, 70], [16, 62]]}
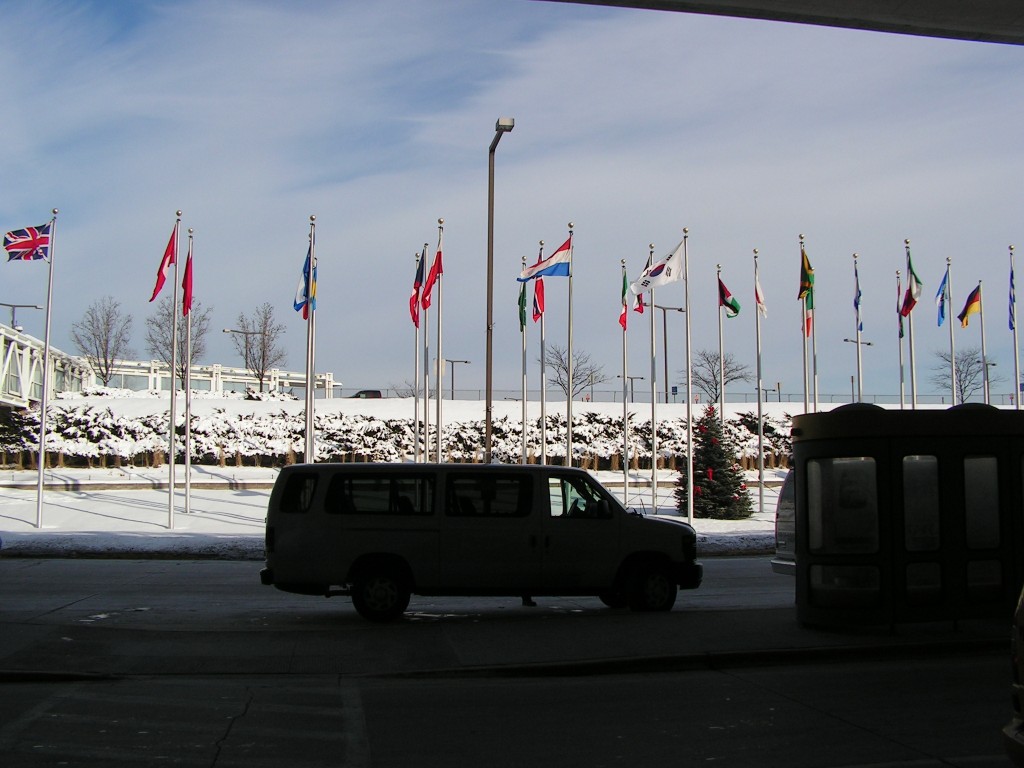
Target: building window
{"points": [[842, 505]]}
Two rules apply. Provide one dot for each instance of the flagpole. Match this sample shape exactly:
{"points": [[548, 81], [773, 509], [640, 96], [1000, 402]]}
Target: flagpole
{"points": [[43, 400], [952, 348], [899, 338], [1013, 327], [721, 351], [984, 357], [522, 332], [416, 373], [814, 355], [174, 386], [860, 369], [188, 389], [310, 444], [625, 382], [654, 404], [760, 392], [910, 333], [544, 379], [689, 385], [569, 368], [439, 366], [425, 321], [803, 331]]}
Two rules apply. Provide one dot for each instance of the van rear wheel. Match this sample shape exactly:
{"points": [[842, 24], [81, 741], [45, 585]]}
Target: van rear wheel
{"points": [[653, 589], [380, 595]]}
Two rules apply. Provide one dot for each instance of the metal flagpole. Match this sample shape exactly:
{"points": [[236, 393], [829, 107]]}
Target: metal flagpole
{"points": [[543, 379], [625, 404], [1013, 327], [424, 321], [689, 386], [952, 347], [899, 320], [310, 445], [522, 332], [44, 395], [416, 373], [654, 405], [174, 385], [439, 369], [860, 369], [569, 368], [188, 386], [760, 392], [721, 352], [910, 333], [814, 355], [804, 336], [984, 357]]}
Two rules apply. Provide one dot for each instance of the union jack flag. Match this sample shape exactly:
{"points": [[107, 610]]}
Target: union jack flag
{"points": [[28, 244]]}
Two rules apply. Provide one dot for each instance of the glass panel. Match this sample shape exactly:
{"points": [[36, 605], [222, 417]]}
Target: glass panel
{"points": [[379, 494], [921, 503], [850, 586], [298, 493], [489, 496], [573, 497], [924, 583], [984, 580], [981, 501], [842, 505]]}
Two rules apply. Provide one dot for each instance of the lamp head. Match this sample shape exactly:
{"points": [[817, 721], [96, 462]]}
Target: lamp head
{"points": [[505, 124]]}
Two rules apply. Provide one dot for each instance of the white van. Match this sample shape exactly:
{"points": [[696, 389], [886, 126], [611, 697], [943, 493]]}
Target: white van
{"points": [[785, 527], [382, 532]]}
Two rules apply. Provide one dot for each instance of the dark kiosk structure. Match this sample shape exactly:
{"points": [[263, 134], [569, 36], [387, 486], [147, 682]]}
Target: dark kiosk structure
{"points": [[908, 515]]}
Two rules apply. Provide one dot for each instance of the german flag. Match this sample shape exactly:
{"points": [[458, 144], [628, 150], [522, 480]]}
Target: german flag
{"points": [[972, 307]]}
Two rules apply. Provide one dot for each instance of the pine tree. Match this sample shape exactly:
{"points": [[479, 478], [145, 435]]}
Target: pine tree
{"points": [[718, 488]]}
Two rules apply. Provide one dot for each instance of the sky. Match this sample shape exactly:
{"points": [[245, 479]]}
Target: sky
{"points": [[632, 124]]}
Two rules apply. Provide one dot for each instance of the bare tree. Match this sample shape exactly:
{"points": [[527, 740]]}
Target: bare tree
{"points": [[707, 372], [159, 327], [970, 372], [585, 373], [102, 337], [259, 341]]}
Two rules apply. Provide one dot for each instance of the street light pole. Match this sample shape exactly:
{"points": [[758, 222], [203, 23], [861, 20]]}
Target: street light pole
{"points": [[14, 321], [664, 337], [453, 362], [503, 125]]}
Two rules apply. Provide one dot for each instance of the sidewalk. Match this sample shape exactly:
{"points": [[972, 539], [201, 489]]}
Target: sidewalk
{"points": [[126, 513]]}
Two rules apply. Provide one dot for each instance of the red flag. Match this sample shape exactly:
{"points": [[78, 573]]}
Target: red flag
{"points": [[417, 283], [170, 256], [436, 270], [186, 283], [538, 299]]}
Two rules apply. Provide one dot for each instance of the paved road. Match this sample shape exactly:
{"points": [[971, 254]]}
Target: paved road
{"points": [[196, 663]]}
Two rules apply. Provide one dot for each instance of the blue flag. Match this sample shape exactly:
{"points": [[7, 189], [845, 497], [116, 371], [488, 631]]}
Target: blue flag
{"points": [[940, 297]]}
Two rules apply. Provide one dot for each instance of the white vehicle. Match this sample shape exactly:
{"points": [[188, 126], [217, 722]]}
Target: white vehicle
{"points": [[382, 532]]}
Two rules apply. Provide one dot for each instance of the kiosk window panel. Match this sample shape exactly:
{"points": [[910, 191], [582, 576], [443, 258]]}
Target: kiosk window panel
{"points": [[981, 501], [921, 503], [842, 505]]}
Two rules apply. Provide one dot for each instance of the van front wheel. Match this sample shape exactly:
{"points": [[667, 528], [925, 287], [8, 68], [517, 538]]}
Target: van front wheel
{"points": [[652, 589], [380, 595]]}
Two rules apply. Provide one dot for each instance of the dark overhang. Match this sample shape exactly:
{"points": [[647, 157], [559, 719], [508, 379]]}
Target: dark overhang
{"points": [[990, 21]]}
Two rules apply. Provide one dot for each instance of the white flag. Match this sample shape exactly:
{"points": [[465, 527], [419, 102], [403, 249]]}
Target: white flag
{"points": [[668, 270]]}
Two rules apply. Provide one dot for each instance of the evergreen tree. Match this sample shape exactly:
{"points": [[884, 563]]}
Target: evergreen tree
{"points": [[718, 488]]}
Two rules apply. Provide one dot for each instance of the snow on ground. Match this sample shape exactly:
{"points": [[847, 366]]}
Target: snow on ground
{"points": [[125, 512]]}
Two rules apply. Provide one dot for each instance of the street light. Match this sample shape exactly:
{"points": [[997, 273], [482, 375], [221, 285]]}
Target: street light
{"points": [[14, 322], [453, 362], [503, 125], [631, 378], [664, 337]]}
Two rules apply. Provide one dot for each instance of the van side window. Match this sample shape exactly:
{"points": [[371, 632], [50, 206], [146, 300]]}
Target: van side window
{"points": [[575, 499], [489, 496], [297, 496], [379, 494]]}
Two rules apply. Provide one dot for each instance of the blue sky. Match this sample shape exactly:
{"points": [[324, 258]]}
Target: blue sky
{"points": [[376, 117]]}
